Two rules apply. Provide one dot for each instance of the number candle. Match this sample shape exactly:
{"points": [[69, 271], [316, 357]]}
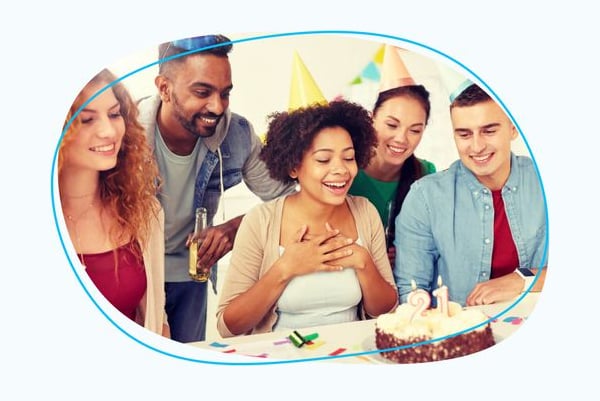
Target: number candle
{"points": [[441, 295], [418, 298]]}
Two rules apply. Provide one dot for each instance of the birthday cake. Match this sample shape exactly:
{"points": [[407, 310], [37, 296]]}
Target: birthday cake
{"points": [[415, 323]]}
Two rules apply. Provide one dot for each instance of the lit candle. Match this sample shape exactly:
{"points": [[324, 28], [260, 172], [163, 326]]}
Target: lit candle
{"points": [[418, 298], [441, 295]]}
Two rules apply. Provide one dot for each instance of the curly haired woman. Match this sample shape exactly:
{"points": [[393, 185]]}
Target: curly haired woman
{"points": [[317, 256], [108, 182]]}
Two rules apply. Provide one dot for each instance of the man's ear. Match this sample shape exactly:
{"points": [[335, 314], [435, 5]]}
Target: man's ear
{"points": [[514, 133], [164, 88]]}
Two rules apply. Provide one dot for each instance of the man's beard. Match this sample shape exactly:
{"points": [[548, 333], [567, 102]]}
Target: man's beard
{"points": [[190, 125]]}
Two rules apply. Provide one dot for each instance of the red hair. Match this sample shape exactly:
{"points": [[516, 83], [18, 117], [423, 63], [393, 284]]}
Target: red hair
{"points": [[127, 191]]}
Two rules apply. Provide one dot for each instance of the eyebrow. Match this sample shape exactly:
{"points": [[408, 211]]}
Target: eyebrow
{"points": [[463, 130], [399, 120], [209, 86], [117, 104], [331, 150], [483, 127], [492, 125]]}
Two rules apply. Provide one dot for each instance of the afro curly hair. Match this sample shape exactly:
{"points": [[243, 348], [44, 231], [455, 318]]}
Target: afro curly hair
{"points": [[290, 134]]}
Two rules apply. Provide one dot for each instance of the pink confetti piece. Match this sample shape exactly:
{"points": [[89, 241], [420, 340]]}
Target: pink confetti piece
{"points": [[513, 320], [282, 341], [492, 320], [263, 355]]}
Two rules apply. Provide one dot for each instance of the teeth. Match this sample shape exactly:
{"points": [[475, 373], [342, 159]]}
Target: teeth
{"points": [[396, 149], [336, 184], [208, 120], [105, 148], [480, 158]]}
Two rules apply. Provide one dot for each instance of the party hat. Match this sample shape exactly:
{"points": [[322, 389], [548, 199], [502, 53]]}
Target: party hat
{"points": [[304, 90], [393, 71], [453, 81]]}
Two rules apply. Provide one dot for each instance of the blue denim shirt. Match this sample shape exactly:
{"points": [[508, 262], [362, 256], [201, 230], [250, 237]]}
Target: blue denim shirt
{"points": [[446, 227]]}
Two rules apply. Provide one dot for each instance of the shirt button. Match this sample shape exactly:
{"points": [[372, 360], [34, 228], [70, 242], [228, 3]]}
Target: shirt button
{"points": [[485, 191], [487, 207], [514, 189], [487, 240]]}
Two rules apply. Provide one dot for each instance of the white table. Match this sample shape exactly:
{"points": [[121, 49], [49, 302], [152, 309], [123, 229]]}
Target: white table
{"points": [[354, 342]]}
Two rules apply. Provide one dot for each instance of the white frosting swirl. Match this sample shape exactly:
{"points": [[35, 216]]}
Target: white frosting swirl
{"points": [[430, 325]]}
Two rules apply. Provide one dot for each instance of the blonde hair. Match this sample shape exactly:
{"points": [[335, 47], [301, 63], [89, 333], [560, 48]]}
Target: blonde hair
{"points": [[128, 190]]}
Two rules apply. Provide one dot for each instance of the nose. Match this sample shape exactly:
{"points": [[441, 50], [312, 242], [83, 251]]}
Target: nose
{"points": [[477, 143], [400, 137], [216, 104], [106, 128], [338, 167]]}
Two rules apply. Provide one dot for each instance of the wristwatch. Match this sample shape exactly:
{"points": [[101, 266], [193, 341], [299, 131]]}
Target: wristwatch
{"points": [[527, 275]]}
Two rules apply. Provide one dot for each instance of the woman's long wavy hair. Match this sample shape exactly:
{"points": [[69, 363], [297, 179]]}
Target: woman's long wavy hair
{"points": [[127, 191]]}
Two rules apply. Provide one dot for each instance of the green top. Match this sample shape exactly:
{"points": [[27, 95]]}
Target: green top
{"points": [[381, 193]]}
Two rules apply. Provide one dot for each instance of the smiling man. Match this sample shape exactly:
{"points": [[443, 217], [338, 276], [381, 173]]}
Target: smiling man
{"points": [[481, 224], [202, 149]]}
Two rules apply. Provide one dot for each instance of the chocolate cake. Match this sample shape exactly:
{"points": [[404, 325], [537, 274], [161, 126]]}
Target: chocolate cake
{"points": [[404, 327]]}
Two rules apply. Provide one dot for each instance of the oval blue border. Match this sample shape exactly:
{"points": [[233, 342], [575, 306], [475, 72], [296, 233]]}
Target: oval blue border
{"points": [[347, 355]]}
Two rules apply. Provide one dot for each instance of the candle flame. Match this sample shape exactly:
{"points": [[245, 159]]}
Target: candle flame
{"points": [[413, 284], [439, 280]]}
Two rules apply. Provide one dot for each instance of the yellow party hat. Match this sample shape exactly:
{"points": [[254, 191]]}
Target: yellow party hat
{"points": [[393, 71], [304, 90]]}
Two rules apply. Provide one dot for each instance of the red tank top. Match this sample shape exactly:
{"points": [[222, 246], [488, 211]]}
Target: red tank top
{"points": [[124, 286], [505, 258]]}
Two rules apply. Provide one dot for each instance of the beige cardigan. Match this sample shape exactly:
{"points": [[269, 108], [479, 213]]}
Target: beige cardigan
{"points": [[256, 248], [152, 312]]}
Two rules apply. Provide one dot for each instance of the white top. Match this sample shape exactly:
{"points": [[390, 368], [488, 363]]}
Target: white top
{"points": [[319, 298]]}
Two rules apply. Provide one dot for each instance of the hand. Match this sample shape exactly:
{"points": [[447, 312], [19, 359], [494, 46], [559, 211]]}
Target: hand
{"points": [[215, 242], [357, 259], [166, 330], [499, 289], [312, 253]]}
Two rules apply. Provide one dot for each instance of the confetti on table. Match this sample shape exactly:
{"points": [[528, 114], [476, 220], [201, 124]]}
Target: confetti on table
{"points": [[314, 344], [513, 320], [337, 351], [218, 345], [492, 320], [263, 355]]}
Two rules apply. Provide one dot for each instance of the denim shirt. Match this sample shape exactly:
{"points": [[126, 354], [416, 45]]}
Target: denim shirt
{"points": [[446, 227], [239, 148]]}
